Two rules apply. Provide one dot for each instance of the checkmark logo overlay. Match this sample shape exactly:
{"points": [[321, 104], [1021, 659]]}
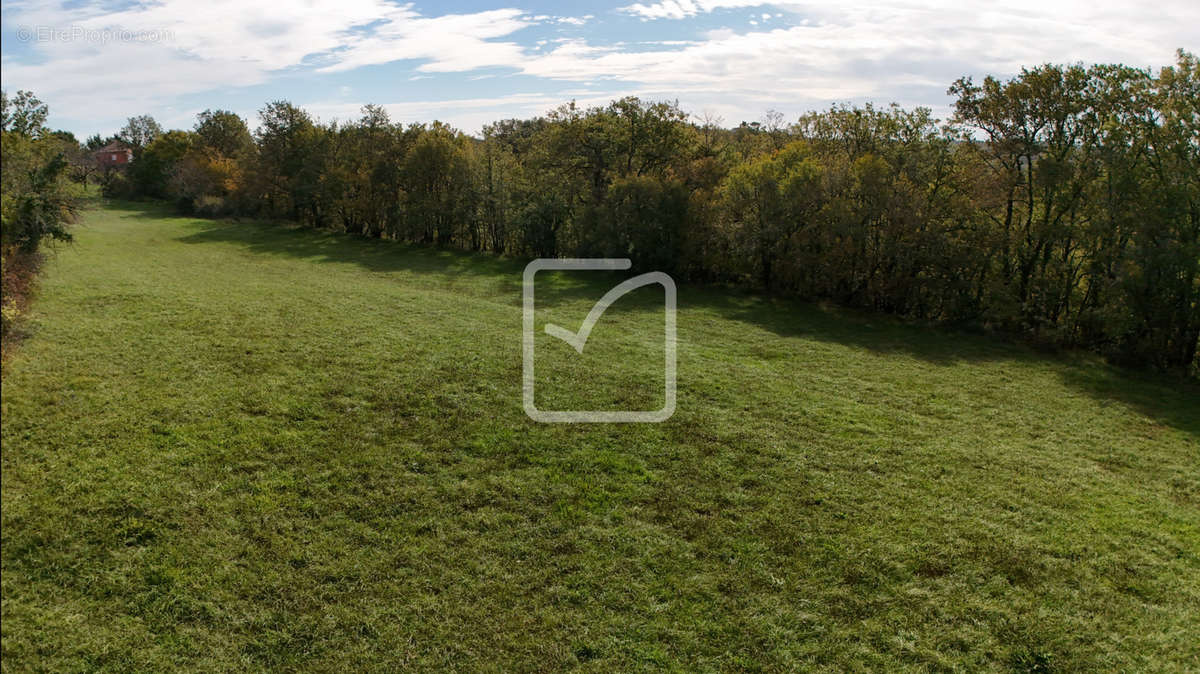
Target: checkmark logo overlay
{"points": [[577, 339]]}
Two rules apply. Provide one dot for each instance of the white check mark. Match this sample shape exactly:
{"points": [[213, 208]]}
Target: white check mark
{"points": [[579, 339]]}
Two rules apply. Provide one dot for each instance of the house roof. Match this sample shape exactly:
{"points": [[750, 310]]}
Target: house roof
{"points": [[115, 146]]}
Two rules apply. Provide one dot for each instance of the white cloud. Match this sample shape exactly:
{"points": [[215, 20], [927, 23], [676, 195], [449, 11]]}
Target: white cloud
{"points": [[449, 43], [231, 43], [680, 9], [816, 53], [897, 50]]}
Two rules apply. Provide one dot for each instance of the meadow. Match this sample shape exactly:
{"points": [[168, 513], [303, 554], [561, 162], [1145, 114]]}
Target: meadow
{"points": [[243, 445]]}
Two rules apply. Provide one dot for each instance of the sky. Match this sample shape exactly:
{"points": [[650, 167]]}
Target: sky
{"points": [[470, 62]]}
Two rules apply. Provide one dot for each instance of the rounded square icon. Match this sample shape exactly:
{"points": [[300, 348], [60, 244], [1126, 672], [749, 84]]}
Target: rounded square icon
{"points": [[578, 339]]}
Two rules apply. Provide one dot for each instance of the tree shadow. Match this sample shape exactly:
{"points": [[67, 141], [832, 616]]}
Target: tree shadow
{"points": [[285, 240], [1171, 400], [878, 333]]}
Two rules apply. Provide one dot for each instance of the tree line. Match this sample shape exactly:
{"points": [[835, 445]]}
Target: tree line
{"points": [[38, 197], [1062, 205]]}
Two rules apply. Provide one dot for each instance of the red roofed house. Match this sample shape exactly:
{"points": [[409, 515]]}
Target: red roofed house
{"points": [[113, 154]]}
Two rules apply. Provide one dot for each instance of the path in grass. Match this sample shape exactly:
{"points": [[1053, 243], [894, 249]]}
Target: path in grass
{"points": [[246, 446]]}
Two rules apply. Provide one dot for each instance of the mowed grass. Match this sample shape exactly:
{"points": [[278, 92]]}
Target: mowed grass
{"points": [[232, 446]]}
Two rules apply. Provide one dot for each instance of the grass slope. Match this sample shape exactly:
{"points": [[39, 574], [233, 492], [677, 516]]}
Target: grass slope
{"points": [[232, 446]]}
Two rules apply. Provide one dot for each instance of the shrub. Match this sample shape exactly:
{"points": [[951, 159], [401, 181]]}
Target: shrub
{"points": [[209, 206]]}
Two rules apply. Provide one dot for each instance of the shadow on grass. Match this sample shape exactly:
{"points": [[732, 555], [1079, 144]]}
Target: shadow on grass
{"points": [[371, 254], [879, 333], [1171, 401]]}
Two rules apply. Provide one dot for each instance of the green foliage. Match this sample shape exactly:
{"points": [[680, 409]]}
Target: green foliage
{"points": [[290, 160], [642, 218], [209, 206], [1095, 184], [23, 114], [42, 211], [1060, 205], [769, 201], [225, 133], [37, 199], [153, 168], [438, 201], [139, 132], [115, 183]]}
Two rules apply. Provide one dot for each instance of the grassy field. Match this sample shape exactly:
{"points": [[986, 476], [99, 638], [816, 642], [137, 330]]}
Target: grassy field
{"points": [[246, 446]]}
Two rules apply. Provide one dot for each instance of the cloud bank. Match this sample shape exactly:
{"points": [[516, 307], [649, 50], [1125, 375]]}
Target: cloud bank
{"points": [[789, 55]]}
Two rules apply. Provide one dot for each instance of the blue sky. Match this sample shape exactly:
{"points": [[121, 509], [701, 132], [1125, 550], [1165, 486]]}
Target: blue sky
{"points": [[467, 63]]}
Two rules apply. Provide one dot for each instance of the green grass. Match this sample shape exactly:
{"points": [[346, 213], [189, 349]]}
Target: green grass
{"points": [[244, 446]]}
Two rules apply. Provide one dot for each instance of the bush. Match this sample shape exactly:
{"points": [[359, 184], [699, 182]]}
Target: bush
{"points": [[38, 201], [116, 185], [209, 206], [17, 268]]}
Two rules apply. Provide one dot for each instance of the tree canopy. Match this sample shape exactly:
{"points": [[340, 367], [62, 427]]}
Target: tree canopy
{"points": [[1062, 204]]}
